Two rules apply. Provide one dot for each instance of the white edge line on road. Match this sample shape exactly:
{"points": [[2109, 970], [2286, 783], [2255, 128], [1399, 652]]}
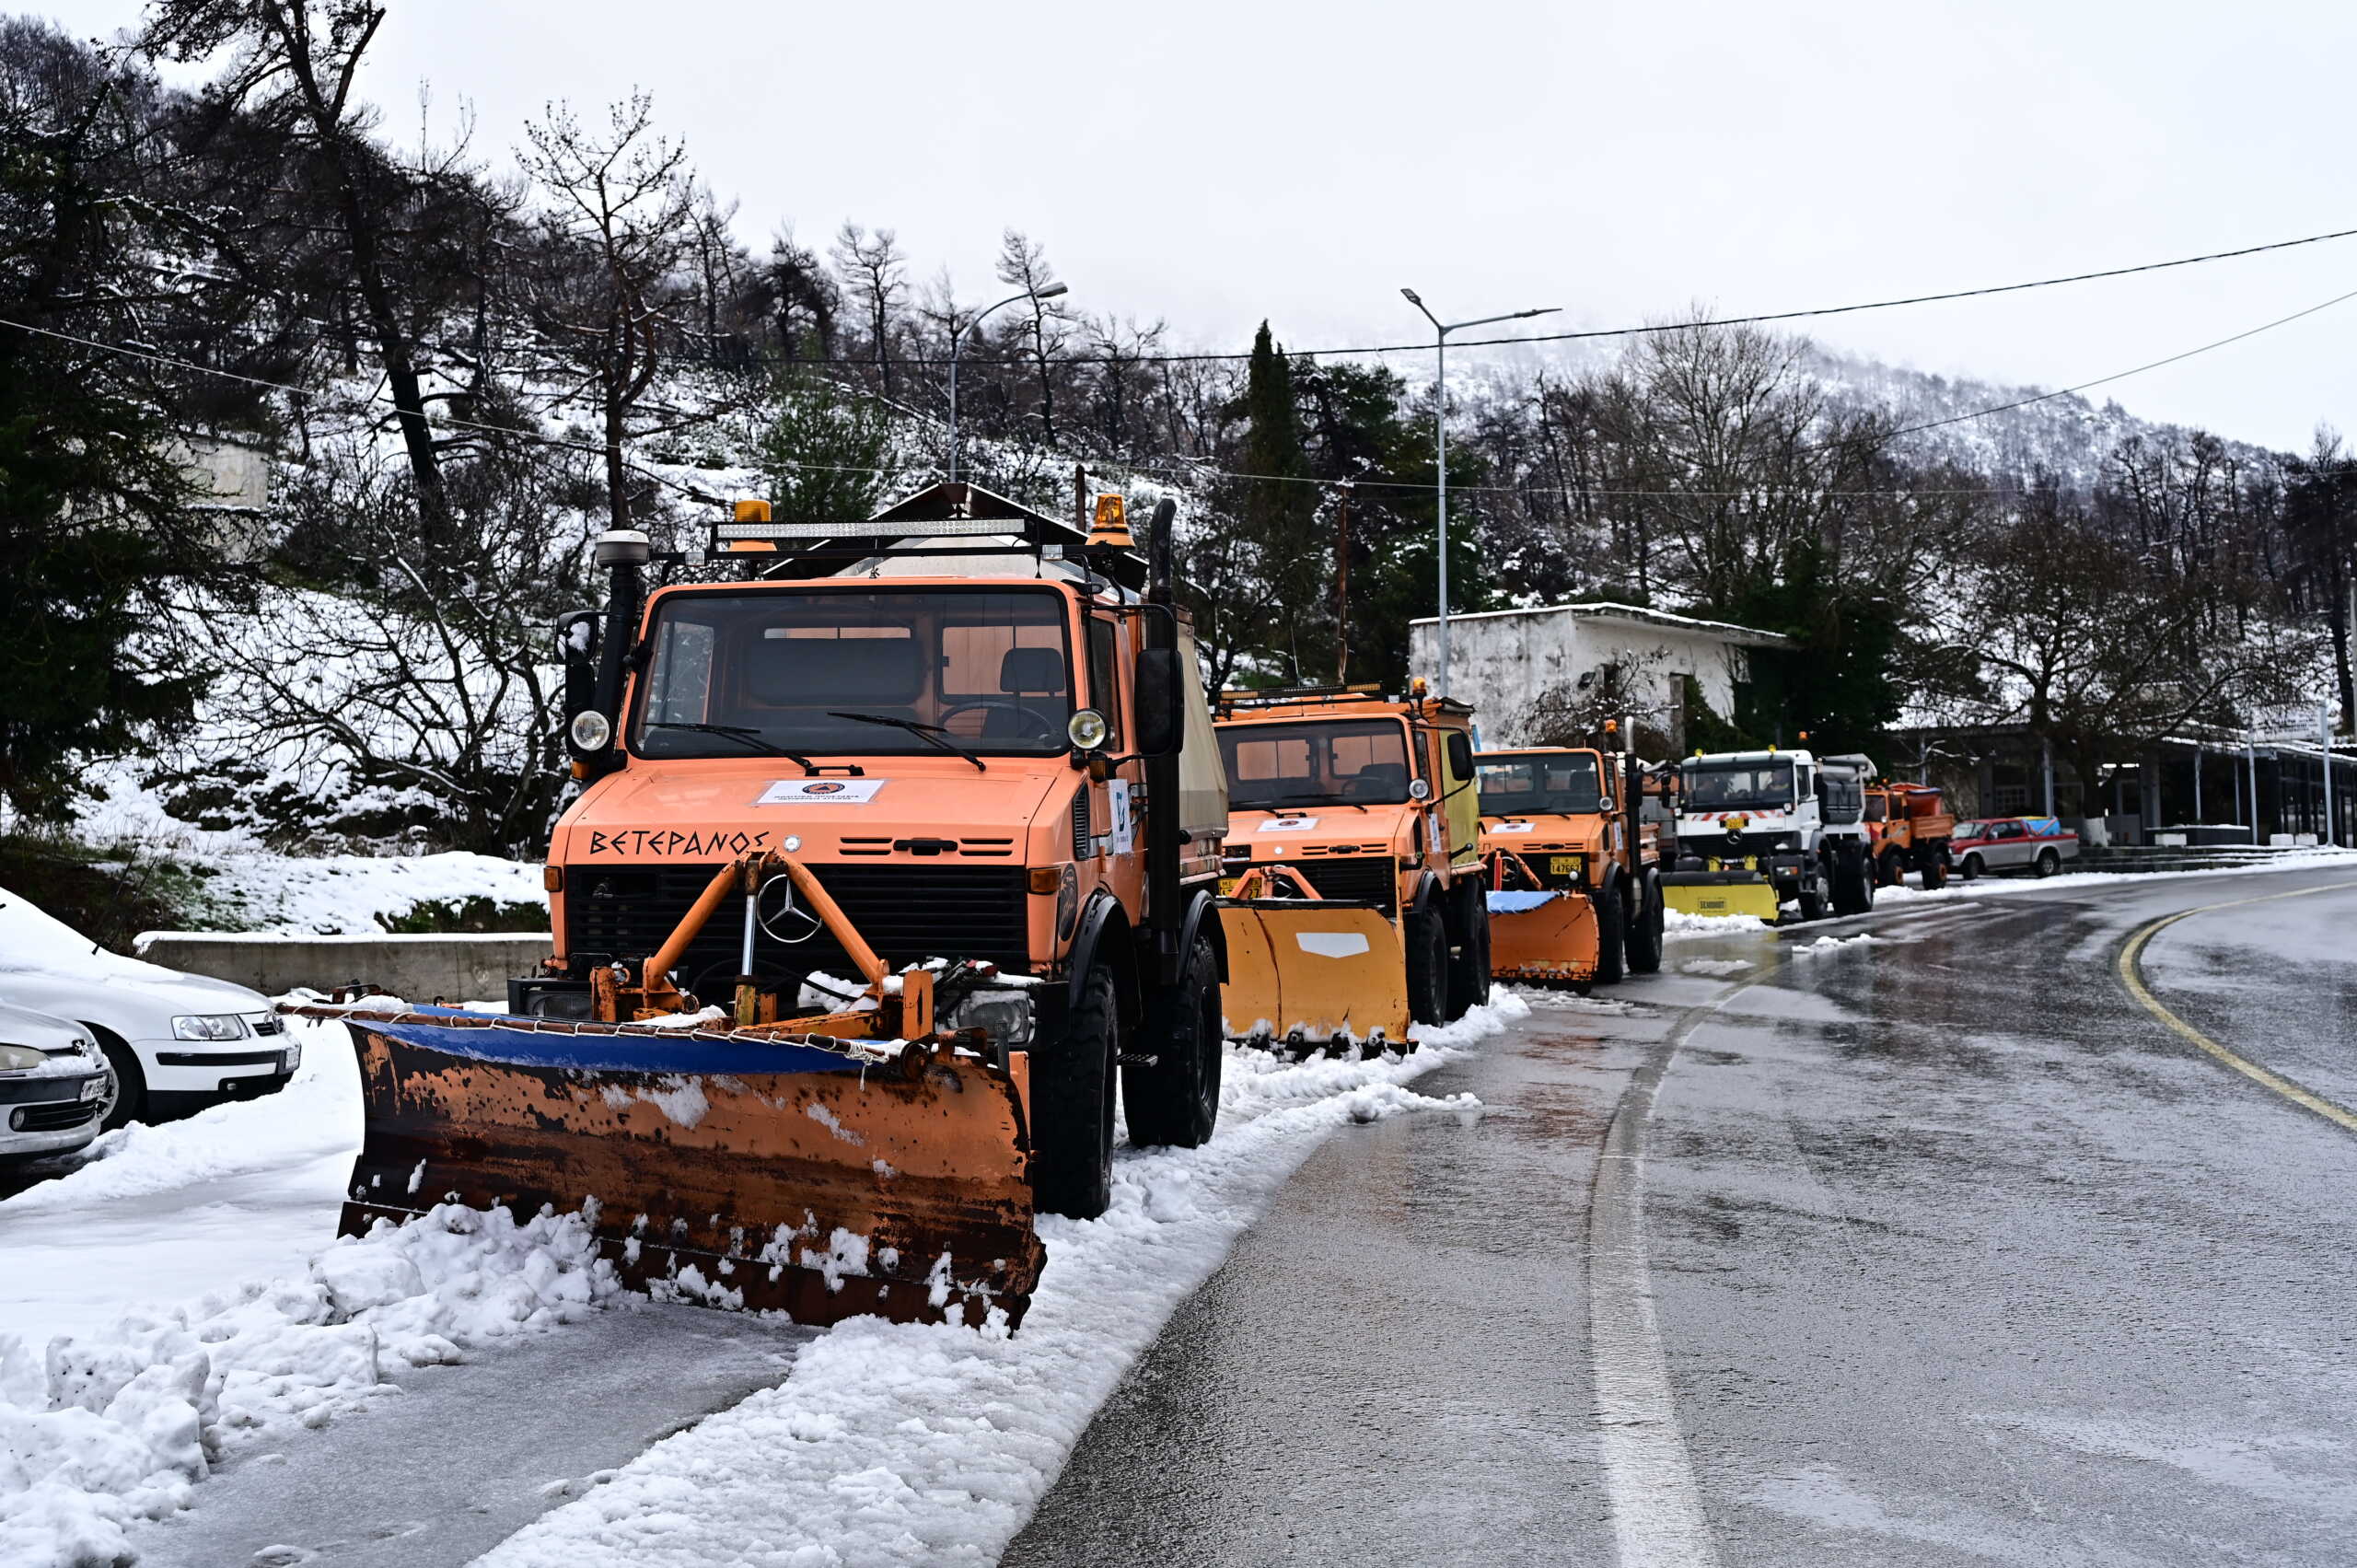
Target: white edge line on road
{"points": [[1657, 1518]]}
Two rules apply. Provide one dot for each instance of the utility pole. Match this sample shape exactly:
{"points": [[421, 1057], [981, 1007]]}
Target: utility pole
{"points": [[2324, 730], [1343, 586], [1440, 453]]}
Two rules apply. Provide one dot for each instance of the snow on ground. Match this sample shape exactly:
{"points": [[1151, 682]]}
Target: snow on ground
{"points": [[257, 889], [1714, 967], [925, 1444], [117, 1421], [895, 1443]]}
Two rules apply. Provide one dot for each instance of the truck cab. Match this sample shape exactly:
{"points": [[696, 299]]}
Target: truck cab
{"points": [[1372, 799]]}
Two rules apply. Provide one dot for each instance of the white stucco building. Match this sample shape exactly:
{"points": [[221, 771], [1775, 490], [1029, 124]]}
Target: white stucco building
{"points": [[1505, 661]]}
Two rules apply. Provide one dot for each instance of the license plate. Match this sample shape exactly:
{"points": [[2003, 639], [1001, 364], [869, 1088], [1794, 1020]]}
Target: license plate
{"points": [[1227, 886], [92, 1088], [1564, 864], [290, 1058]]}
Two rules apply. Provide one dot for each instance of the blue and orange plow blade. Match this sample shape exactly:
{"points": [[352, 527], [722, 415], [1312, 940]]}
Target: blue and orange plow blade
{"points": [[1549, 937], [818, 1177]]}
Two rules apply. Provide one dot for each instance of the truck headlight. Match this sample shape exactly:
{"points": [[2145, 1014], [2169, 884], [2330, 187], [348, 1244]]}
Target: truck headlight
{"points": [[1006, 1016], [590, 731], [208, 1025]]}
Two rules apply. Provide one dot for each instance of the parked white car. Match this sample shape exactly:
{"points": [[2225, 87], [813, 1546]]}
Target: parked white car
{"points": [[53, 1084], [176, 1042]]}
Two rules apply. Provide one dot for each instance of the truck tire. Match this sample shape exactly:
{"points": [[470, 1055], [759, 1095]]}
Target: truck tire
{"points": [[1817, 893], [1468, 970], [1427, 947], [2048, 863], [1853, 881], [1891, 871], [1935, 873], [1645, 940], [1071, 1100], [1174, 1100], [1611, 933]]}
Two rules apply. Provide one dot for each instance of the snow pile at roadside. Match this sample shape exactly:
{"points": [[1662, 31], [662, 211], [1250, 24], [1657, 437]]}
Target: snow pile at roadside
{"points": [[924, 1444], [343, 894], [1678, 922], [1824, 945], [118, 1424]]}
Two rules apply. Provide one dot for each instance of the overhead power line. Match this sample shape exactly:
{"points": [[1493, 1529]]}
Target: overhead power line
{"points": [[854, 362], [1199, 471]]}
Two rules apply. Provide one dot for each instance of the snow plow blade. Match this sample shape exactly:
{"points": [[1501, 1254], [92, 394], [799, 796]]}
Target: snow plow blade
{"points": [[1550, 937], [1313, 972], [1754, 899], [822, 1178]]}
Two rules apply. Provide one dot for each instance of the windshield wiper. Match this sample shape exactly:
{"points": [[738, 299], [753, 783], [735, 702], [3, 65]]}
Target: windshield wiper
{"points": [[933, 733], [749, 736]]}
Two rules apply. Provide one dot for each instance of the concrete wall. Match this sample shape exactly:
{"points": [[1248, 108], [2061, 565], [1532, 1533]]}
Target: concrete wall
{"points": [[1500, 663], [419, 969]]}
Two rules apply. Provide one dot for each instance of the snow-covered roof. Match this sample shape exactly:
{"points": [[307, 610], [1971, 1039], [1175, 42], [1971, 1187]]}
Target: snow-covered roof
{"points": [[1725, 631]]}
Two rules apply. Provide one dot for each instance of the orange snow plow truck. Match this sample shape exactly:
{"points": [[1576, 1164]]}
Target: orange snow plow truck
{"points": [[1575, 869], [896, 854], [1354, 894]]}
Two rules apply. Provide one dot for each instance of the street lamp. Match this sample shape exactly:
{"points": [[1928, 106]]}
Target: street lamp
{"points": [[1440, 445], [957, 341]]}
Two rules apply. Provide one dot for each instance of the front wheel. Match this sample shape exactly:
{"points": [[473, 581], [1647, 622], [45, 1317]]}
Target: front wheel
{"points": [[1071, 1100], [1427, 969], [1854, 883], [1468, 970], [125, 1099], [1173, 1097], [1935, 873], [1817, 895], [1611, 933], [1643, 944], [1971, 869]]}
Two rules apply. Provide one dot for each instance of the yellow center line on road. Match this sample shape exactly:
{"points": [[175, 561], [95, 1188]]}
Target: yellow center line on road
{"points": [[2132, 976]]}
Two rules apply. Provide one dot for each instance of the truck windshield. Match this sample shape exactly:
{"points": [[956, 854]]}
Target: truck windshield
{"points": [[1725, 786], [1274, 767], [1521, 786], [988, 668]]}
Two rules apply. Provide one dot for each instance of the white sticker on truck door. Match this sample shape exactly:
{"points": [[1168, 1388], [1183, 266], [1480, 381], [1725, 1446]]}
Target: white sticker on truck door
{"points": [[822, 792], [1117, 801], [1290, 825]]}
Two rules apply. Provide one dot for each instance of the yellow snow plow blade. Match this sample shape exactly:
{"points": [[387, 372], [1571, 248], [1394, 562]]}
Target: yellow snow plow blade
{"points": [[1544, 936], [1313, 972], [1754, 899]]}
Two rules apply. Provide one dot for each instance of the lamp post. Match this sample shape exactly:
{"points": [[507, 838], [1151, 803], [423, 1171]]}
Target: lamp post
{"points": [[1440, 446], [958, 342]]}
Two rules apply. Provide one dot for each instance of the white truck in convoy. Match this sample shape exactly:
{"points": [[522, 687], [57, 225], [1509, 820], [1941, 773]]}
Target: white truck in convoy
{"points": [[1756, 830]]}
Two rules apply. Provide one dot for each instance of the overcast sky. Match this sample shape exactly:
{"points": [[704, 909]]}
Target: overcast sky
{"points": [[1217, 161]]}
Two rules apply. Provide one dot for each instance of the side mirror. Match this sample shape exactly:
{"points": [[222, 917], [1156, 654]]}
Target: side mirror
{"points": [[576, 650], [1160, 703], [1460, 755]]}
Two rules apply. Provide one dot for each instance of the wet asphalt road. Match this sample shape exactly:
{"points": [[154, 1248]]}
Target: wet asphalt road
{"points": [[1957, 1255]]}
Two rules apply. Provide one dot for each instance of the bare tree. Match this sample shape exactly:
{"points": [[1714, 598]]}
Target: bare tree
{"points": [[625, 200], [1023, 263], [875, 275]]}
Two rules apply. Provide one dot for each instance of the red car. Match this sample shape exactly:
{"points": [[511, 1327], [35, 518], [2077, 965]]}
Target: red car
{"points": [[2036, 845]]}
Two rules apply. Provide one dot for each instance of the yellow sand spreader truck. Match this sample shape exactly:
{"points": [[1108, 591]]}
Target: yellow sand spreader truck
{"points": [[1574, 868], [1758, 830], [1353, 877]]}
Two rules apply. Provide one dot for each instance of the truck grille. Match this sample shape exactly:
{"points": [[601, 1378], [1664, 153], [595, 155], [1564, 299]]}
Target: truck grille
{"points": [[1362, 878], [906, 911]]}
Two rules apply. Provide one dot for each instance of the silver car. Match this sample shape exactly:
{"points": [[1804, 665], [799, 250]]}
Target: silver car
{"points": [[55, 1086]]}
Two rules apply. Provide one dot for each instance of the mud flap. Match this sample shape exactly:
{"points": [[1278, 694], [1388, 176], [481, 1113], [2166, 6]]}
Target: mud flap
{"points": [[1548, 936], [1316, 969], [1754, 899], [742, 1172]]}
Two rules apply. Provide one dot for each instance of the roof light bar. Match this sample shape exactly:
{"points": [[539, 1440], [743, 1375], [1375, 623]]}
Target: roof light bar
{"points": [[942, 528]]}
